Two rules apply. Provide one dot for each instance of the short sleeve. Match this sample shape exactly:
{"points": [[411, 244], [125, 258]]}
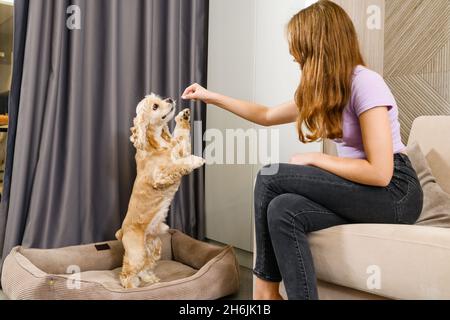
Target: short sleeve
{"points": [[369, 90]]}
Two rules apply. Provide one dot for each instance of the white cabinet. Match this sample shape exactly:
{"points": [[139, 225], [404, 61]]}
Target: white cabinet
{"points": [[248, 59]]}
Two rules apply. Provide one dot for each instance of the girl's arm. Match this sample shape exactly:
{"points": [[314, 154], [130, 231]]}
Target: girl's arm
{"points": [[259, 114], [378, 169]]}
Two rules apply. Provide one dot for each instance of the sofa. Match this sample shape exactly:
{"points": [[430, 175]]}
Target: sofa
{"points": [[395, 262]]}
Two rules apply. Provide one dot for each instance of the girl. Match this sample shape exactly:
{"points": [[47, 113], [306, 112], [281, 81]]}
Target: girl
{"points": [[372, 180]]}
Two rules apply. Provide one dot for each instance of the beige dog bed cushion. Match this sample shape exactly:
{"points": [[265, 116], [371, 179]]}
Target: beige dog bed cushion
{"points": [[189, 269]]}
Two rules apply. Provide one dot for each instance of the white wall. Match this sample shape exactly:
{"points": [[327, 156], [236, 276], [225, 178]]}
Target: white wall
{"points": [[277, 76], [231, 72], [248, 59]]}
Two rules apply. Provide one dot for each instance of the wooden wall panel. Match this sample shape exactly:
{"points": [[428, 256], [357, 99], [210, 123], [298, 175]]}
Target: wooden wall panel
{"points": [[371, 39], [417, 57], [411, 51]]}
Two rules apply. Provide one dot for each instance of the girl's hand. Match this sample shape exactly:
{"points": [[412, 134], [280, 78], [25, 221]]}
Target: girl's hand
{"points": [[307, 159], [197, 92]]}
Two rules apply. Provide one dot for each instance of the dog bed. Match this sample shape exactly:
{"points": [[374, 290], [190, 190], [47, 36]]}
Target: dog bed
{"points": [[189, 270]]}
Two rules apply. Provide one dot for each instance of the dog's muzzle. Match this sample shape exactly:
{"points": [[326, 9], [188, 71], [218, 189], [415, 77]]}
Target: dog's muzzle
{"points": [[171, 111]]}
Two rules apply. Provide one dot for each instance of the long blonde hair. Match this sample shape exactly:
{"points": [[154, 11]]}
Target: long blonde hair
{"points": [[323, 40]]}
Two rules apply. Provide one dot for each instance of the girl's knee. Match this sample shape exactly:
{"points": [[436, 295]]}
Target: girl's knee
{"points": [[270, 170], [285, 211], [265, 176], [278, 212]]}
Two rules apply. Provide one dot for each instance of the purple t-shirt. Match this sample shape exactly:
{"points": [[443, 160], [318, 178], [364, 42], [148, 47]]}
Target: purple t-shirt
{"points": [[369, 90]]}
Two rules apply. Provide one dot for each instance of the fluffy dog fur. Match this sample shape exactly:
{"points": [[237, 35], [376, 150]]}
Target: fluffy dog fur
{"points": [[162, 160]]}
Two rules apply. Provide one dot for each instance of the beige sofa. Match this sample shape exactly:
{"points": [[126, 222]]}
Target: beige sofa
{"points": [[390, 261]]}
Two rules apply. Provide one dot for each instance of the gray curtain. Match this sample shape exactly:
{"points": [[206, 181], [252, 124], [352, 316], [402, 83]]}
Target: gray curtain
{"points": [[70, 165]]}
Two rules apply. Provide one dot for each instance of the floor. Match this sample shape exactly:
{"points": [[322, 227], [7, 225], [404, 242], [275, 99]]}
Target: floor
{"points": [[244, 294]]}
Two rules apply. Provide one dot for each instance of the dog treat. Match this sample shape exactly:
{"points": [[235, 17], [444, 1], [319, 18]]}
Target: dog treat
{"points": [[162, 159]]}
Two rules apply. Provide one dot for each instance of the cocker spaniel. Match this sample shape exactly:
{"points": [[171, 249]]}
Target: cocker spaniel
{"points": [[162, 159]]}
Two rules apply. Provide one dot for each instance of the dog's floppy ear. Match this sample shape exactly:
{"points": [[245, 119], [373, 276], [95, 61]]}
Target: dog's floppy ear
{"points": [[166, 135], [134, 137], [135, 130], [139, 133], [152, 141]]}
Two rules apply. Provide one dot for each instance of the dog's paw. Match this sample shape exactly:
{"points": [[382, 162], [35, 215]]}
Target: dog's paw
{"points": [[161, 182], [130, 282], [149, 277], [197, 162], [163, 228], [184, 116], [159, 185], [119, 235]]}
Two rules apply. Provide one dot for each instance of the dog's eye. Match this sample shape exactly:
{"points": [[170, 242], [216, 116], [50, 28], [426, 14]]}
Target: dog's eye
{"points": [[155, 107]]}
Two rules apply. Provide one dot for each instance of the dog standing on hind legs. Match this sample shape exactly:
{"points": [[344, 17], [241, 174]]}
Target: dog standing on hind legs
{"points": [[162, 160]]}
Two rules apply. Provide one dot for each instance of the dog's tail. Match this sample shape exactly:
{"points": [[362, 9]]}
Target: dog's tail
{"points": [[119, 235]]}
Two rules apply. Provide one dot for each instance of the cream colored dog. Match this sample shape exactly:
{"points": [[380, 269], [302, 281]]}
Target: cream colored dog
{"points": [[162, 160]]}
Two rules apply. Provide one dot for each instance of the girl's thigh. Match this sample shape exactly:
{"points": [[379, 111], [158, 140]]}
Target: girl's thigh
{"points": [[354, 202]]}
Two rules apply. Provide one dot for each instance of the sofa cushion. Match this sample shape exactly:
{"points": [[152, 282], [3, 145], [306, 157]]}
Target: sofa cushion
{"points": [[412, 261], [436, 206], [432, 133]]}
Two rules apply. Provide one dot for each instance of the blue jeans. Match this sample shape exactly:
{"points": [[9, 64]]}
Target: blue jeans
{"points": [[303, 199]]}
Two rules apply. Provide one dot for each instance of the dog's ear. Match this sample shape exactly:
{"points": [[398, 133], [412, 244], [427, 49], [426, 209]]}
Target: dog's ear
{"points": [[168, 175], [137, 143], [152, 141], [166, 135], [134, 136]]}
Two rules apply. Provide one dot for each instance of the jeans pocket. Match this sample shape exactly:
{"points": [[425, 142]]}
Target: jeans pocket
{"points": [[410, 207], [399, 187]]}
